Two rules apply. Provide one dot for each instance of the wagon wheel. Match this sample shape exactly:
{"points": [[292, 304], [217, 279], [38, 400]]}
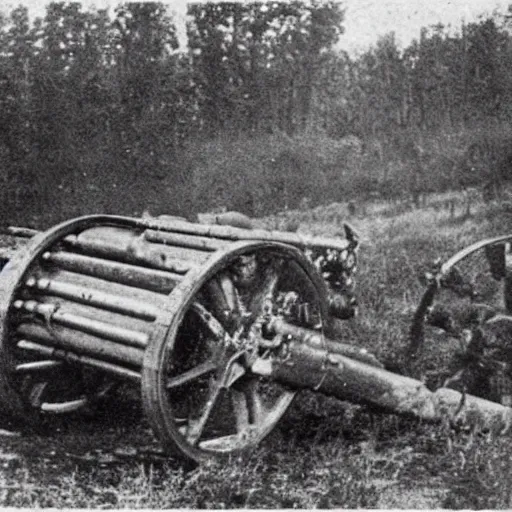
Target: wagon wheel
{"points": [[198, 390], [32, 384], [453, 336], [55, 387]]}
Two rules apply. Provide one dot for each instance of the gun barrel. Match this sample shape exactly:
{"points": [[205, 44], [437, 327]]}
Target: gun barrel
{"points": [[309, 363]]}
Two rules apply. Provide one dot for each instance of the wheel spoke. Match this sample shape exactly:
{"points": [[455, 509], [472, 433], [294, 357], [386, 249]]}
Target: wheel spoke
{"points": [[251, 411], [213, 325], [36, 393], [64, 407], [274, 415], [229, 292], [254, 402], [232, 371], [192, 374], [266, 288], [223, 444], [240, 409], [224, 300], [196, 428], [37, 366]]}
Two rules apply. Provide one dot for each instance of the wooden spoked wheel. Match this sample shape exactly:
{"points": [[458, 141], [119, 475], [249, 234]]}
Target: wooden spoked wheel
{"points": [[461, 329], [165, 305], [198, 390], [32, 379]]}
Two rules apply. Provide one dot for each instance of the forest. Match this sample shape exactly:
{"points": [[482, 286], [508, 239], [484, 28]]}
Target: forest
{"points": [[259, 110]]}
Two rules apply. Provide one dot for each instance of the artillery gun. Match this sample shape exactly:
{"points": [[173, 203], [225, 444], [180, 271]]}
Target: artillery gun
{"points": [[218, 326]]}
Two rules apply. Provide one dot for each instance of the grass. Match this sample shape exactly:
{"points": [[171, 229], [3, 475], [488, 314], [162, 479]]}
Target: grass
{"points": [[256, 173], [324, 453]]}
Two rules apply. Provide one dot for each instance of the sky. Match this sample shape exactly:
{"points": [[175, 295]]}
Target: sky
{"points": [[365, 20]]}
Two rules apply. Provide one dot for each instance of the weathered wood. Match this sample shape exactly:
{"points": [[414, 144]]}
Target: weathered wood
{"points": [[222, 232], [21, 231], [81, 343], [202, 243], [93, 297], [150, 279], [59, 354], [37, 366], [129, 246], [240, 234], [52, 314], [308, 366], [317, 339]]}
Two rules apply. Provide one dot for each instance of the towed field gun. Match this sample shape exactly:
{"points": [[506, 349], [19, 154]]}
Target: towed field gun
{"points": [[221, 326]]}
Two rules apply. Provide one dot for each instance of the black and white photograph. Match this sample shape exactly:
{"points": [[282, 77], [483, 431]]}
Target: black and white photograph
{"points": [[255, 254]]}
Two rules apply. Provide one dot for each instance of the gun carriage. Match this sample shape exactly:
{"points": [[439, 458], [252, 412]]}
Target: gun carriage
{"points": [[219, 326]]}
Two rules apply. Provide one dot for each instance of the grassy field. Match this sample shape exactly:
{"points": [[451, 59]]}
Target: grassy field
{"points": [[324, 453]]}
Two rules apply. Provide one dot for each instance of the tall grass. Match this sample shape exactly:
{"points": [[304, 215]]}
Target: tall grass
{"points": [[254, 173]]}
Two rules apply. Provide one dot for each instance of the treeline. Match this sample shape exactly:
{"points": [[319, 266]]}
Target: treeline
{"points": [[109, 111]]}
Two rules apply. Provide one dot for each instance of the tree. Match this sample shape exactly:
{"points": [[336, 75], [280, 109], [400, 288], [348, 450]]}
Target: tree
{"points": [[261, 59]]}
